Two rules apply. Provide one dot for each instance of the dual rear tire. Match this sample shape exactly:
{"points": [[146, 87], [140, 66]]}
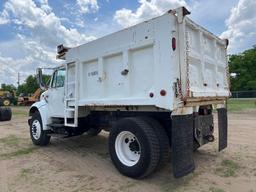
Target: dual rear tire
{"points": [[138, 146]]}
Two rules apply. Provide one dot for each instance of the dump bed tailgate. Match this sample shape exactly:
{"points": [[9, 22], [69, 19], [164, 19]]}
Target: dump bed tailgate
{"points": [[204, 69]]}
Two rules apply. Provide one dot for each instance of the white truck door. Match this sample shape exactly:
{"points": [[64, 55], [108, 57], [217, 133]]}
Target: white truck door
{"points": [[55, 96]]}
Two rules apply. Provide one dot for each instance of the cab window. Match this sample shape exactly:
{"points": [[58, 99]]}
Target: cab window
{"points": [[58, 78]]}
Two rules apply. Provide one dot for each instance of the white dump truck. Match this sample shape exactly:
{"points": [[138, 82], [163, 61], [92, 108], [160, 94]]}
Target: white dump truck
{"points": [[153, 86]]}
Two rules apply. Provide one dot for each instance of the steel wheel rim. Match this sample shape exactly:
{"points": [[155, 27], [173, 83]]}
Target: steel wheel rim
{"points": [[36, 129], [127, 148], [6, 102]]}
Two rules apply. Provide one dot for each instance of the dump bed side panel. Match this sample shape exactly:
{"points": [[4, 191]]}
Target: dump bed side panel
{"points": [[129, 67]]}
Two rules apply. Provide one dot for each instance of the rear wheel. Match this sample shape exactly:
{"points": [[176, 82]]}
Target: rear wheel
{"points": [[37, 134], [134, 147], [163, 141]]}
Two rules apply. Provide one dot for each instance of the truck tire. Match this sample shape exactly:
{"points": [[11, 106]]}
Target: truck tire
{"points": [[94, 131], [134, 147], [163, 141], [37, 134], [5, 114]]}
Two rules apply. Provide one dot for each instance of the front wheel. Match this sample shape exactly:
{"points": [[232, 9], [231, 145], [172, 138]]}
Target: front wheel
{"points": [[134, 147], [37, 134]]}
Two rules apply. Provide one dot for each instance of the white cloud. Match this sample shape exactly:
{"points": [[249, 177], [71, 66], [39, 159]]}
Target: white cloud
{"points": [[210, 14], [45, 26], [87, 6], [40, 31], [146, 10], [45, 6], [203, 10], [25, 56], [4, 18], [3, 21], [241, 26]]}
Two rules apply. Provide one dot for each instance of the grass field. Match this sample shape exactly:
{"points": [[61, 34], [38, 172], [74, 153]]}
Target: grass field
{"points": [[241, 104], [20, 111]]}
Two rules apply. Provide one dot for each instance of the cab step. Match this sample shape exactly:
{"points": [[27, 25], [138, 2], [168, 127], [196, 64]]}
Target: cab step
{"points": [[56, 125]]}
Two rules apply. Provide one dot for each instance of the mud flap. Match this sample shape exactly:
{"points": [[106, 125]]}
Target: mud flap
{"points": [[182, 145], [223, 128]]}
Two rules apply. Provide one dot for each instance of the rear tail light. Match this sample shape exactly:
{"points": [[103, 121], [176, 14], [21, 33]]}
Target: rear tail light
{"points": [[173, 44]]}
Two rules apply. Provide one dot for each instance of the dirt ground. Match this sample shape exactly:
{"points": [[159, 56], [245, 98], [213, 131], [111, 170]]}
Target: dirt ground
{"points": [[83, 164]]}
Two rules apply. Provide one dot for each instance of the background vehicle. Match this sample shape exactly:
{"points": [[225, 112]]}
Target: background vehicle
{"points": [[7, 98], [153, 86], [29, 99]]}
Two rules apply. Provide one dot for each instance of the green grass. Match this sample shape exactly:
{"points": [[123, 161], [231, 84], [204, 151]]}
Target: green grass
{"points": [[19, 152], [128, 186], [20, 111], [239, 105], [228, 168], [25, 172], [11, 140], [16, 146], [171, 185], [213, 189]]}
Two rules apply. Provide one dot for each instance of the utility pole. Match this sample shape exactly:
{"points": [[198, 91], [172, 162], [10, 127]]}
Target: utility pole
{"points": [[18, 79]]}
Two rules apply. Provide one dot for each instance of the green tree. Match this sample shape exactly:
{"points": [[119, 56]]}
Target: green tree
{"points": [[11, 88], [30, 85], [244, 66], [46, 79], [21, 89]]}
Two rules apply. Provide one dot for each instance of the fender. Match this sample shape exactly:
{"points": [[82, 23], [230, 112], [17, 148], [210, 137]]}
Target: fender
{"points": [[42, 107]]}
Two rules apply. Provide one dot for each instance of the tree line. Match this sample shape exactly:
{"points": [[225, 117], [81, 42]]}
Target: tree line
{"points": [[29, 86], [243, 68]]}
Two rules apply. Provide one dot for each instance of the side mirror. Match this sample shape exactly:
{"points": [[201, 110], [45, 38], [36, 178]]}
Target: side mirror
{"points": [[39, 75]]}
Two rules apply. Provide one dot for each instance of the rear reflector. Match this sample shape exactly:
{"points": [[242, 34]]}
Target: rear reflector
{"points": [[162, 92], [173, 44]]}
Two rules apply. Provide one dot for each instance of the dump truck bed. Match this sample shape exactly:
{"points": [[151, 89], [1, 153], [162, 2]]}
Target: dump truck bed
{"points": [[163, 62]]}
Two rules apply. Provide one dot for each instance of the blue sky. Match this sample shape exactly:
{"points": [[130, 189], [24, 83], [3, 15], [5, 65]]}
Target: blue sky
{"points": [[30, 30]]}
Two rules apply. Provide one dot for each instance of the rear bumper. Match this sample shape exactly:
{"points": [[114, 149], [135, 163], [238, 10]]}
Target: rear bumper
{"points": [[190, 102]]}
